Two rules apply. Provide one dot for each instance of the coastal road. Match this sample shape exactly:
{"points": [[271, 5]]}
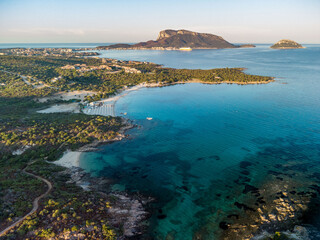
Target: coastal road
{"points": [[35, 202]]}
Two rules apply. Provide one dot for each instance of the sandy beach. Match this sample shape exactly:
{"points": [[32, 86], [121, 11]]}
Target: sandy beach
{"points": [[79, 95], [69, 159], [72, 107], [128, 90], [105, 109], [107, 105]]}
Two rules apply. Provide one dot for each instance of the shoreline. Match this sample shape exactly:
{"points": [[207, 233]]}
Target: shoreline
{"points": [[126, 91], [99, 48], [123, 92], [130, 210], [71, 159], [75, 108]]}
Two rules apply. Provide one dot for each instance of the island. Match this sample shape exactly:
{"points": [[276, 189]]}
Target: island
{"points": [[179, 40], [286, 44], [45, 96]]}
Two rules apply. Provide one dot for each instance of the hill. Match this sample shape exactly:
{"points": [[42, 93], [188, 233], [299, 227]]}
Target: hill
{"points": [[176, 39], [286, 44]]}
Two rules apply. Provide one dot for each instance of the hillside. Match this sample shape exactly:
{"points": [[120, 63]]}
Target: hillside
{"points": [[176, 39]]}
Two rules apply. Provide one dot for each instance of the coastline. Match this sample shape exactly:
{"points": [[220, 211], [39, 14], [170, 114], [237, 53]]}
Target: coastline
{"points": [[71, 161], [287, 48], [71, 158], [74, 107], [126, 91], [224, 82], [167, 48], [129, 210]]}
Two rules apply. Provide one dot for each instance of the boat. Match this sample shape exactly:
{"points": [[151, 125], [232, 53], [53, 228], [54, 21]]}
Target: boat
{"points": [[149, 118]]}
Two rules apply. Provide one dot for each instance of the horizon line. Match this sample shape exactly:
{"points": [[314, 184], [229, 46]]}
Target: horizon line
{"points": [[129, 42]]}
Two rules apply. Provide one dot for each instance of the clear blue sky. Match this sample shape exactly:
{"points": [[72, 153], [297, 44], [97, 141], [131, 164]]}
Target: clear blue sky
{"points": [[256, 21]]}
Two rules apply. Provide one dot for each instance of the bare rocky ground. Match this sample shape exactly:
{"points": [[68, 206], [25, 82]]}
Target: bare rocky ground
{"points": [[127, 210]]}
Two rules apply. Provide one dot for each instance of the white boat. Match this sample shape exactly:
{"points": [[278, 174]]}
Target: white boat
{"points": [[149, 118]]}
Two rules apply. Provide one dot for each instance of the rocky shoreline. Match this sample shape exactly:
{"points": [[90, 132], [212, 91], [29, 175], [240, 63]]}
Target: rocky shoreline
{"points": [[284, 202], [127, 124], [127, 210]]}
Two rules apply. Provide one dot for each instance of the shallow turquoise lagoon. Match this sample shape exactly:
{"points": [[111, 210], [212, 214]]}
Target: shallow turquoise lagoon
{"points": [[190, 154]]}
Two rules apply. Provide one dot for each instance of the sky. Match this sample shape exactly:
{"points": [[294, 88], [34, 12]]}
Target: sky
{"points": [[129, 21]]}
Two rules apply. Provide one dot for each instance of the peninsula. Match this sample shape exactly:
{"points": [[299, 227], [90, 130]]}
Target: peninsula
{"points": [[179, 40], [286, 44]]}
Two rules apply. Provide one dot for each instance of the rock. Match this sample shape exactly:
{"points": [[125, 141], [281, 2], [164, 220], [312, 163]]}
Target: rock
{"points": [[245, 164], [300, 231], [286, 44], [224, 225], [249, 188], [161, 216], [176, 39]]}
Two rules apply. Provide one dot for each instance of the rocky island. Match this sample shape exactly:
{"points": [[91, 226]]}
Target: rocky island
{"points": [[179, 40], [286, 44]]}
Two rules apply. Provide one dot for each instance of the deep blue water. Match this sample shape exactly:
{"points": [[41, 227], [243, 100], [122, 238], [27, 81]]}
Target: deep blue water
{"points": [[188, 156]]}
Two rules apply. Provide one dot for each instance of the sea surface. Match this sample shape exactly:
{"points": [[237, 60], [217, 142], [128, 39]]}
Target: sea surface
{"points": [[192, 151]]}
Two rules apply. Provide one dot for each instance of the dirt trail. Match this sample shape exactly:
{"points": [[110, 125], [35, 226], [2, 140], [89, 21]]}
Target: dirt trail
{"points": [[25, 79], [35, 203]]}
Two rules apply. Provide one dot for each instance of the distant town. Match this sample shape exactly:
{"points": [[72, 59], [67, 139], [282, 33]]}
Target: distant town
{"points": [[56, 52]]}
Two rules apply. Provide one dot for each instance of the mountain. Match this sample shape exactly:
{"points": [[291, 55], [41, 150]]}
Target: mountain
{"points": [[286, 44], [176, 39]]}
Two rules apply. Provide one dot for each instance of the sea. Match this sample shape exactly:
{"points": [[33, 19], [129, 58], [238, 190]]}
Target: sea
{"points": [[203, 138], [206, 142]]}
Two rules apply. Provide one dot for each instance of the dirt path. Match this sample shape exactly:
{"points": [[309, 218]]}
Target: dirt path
{"points": [[35, 203], [25, 79]]}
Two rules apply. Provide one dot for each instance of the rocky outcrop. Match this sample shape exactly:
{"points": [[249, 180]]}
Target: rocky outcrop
{"points": [[298, 233], [279, 206], [247, 46], [176, 39], [127, 210], [286, 44]]}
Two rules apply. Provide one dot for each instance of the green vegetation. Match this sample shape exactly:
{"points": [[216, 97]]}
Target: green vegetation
{"points": [[53, 130], [12, 85], [41, 68], [285, 43], [106, 82]]}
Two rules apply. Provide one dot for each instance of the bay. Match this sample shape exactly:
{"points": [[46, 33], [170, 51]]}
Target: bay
{"points": [[190, 154]]}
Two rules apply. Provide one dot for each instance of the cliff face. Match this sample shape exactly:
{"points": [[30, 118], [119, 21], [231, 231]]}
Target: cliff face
{"points": [[185, 38], [286, 44], [175, 39]]}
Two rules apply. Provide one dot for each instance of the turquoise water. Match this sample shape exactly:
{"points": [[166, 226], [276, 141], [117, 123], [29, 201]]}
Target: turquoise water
{"points": [[191, 153]]}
